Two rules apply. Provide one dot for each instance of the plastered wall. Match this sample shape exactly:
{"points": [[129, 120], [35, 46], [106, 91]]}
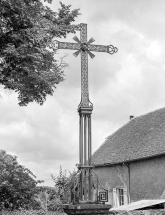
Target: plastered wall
{"points": [[147, 178], [111, 177]]}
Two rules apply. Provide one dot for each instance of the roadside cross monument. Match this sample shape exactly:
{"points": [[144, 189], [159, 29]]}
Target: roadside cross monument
{"points": [[84, 47]]}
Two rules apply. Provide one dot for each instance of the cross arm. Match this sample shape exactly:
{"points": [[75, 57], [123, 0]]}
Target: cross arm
{"points": [[65, 45], [100, 48]]}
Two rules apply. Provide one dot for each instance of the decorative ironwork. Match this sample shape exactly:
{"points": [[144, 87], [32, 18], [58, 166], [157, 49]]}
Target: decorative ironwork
{"points": [[84, 47], [84, 80], [92, 190], [86, 183], [98, 48], [103, 196], [112, 49], [63, 45], [83, 33], [76, 39]]}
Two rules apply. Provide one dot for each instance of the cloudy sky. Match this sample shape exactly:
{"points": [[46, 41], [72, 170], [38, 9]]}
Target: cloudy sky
{"points": [[130, 82]]}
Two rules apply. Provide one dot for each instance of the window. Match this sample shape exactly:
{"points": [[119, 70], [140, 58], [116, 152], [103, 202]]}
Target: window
{"points": [[119, 196]]}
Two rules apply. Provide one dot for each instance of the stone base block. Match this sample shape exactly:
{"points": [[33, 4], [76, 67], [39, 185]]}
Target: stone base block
{"points": [[87, 209]]}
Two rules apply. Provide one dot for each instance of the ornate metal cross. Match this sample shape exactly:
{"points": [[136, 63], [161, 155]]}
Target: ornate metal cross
{"points": [[85, 107]]}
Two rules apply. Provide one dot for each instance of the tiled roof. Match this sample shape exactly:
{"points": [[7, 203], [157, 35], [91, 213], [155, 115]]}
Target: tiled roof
{"points": [[141, 137]]}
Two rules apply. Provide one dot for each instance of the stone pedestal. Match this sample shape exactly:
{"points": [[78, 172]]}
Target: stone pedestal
{"points": [[86, 209]]}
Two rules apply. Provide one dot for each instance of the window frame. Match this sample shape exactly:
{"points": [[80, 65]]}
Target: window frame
{"points": [[120, 196]]}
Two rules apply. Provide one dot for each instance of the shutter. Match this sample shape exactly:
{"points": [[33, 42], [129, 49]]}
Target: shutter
{"points": [[125, 195], [114, 197]]}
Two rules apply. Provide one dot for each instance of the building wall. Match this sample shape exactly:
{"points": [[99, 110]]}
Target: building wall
{"points": [[147, 178], [111, 177]]}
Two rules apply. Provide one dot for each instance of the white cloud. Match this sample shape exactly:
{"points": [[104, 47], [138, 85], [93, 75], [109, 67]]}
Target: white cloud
{"points": [[154, 50]]}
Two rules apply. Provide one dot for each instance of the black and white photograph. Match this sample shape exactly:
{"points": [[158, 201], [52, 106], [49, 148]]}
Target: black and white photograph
{"points": [[82, 107]]}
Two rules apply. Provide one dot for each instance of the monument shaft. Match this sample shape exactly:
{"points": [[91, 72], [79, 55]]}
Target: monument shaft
{"points": [[85, 108]]}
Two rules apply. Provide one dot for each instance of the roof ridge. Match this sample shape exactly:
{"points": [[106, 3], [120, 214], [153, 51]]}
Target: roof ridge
{"points": [[137, 117], [157, 110]]}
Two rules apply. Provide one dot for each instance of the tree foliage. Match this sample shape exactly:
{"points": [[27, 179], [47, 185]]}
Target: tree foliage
{"points": [[53, 198], [47, 198], [27, 63], [64, 185], [17, 184]]}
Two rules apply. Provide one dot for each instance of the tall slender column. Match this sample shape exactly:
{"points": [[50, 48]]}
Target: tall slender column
{"points": [[85, 139], [89, 140], [85, 157], [89, 158], [81, 138], [80, 152], [81, 155]]}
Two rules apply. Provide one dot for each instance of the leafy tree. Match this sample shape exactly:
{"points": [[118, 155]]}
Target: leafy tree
{"points": [[46, 197], [27, 63], [17, 184], [64, 184]]}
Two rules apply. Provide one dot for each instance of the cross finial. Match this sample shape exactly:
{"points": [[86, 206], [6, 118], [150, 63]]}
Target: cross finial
{"points": [[84, 47]]}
